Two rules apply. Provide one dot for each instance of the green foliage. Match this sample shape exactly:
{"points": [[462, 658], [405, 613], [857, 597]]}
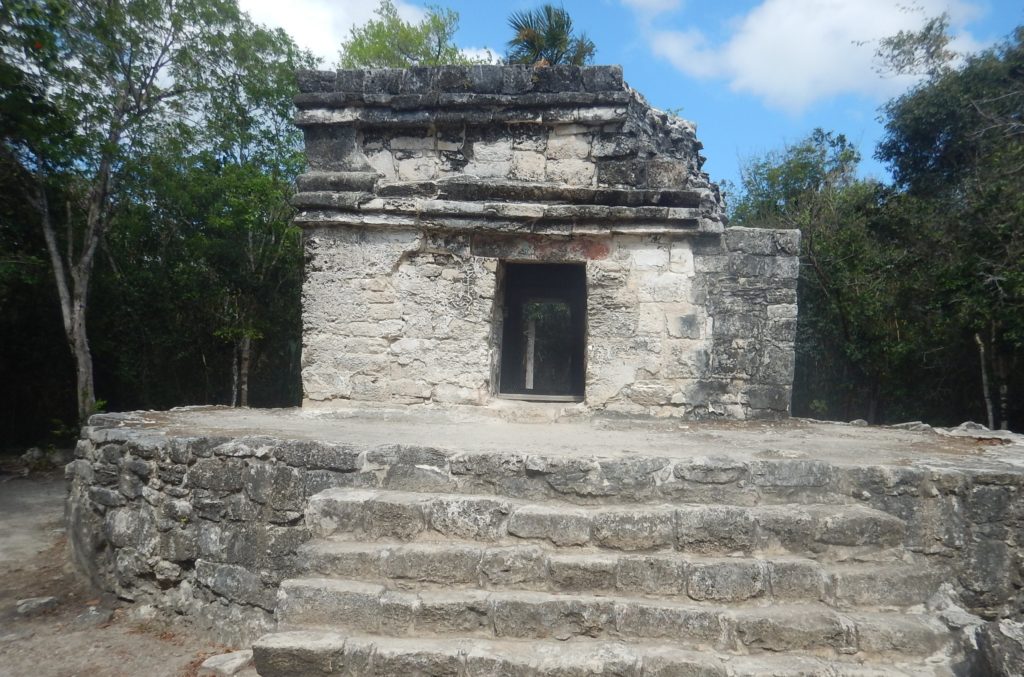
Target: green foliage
{"points": [[391, 42], [29, 45], [545, 35], [792, 188], [911, 296], [108, 73], [224, 264], [956, 147], [167, 125], [922, 52], [106, 77]]}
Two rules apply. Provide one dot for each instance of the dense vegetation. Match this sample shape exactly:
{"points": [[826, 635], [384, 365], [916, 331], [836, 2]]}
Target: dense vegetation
{"points": [[911, 294], [388, 41], [146, 253], [146, 165]]}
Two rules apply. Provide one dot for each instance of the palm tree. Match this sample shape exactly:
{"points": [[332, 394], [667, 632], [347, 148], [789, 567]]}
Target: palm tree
{"points": [[545, 36]]}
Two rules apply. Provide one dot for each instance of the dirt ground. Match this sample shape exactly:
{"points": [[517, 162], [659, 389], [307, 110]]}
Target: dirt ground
{"points": [[84, 634]]}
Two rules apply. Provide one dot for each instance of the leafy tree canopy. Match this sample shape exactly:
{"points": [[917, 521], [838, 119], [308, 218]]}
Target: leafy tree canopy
{"points": [[958, 121], [922, 52], [545, 35], [391, 42], [218, 183], [788, 188], [114, 115], [956, 147], [911, 295], [853, 339]]}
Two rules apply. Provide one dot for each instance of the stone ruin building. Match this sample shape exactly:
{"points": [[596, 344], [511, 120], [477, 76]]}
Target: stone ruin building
{"points": [[509, 232], [504, 232]]}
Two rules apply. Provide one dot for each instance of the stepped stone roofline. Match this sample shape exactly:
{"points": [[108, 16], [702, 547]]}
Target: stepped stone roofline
{"points": [[476, 153], [417, 87]]}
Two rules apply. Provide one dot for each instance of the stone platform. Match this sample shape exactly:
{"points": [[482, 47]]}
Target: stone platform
{"points": [[469, 542]]}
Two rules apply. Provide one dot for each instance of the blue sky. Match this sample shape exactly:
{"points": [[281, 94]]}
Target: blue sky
{"points": [[752, 75]]}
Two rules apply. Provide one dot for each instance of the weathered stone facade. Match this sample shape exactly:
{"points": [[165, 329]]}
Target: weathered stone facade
{"points": [[424, 184]]}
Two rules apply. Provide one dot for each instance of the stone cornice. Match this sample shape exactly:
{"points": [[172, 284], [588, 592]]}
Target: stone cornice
{"points": [[352, 198], [379, 86], [500, 148]]}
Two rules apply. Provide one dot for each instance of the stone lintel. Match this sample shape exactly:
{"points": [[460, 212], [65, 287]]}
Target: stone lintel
{"points": [[502, 224], [367, 202], [499, 191], [417, 112], [539, 192], [337, 181]]}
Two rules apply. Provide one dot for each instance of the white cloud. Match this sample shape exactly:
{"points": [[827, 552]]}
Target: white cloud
{"points": [[653, 6], [320, 25], [688, 51], [791, 53]]}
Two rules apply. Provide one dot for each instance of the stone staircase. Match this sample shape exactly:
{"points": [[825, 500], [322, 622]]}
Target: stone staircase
{"points": [[510, 582]]}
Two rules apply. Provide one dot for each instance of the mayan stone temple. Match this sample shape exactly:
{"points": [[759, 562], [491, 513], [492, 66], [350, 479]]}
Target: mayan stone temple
{"points": [[510, 232], [545, 428]]}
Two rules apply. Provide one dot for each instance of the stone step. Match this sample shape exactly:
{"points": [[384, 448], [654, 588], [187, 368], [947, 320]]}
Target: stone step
{"points": [[317, 652], [595, 474], [701, 578], [369, 608], [838, 530]]}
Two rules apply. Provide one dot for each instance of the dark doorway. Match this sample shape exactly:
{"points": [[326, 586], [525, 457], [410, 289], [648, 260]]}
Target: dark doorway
{"points": [[544, 331]]}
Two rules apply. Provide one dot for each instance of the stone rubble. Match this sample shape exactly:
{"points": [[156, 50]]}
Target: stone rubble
{"points": [[35, 606], [226, 665]]}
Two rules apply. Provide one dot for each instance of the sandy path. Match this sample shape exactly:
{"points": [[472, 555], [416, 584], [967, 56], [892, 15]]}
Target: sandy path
{"points": [[84, 635]]}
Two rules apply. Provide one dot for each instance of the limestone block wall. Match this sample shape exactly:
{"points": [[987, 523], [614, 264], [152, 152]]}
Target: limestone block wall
{"points": [[697, 328], [675, 326], [201, 527], [563, 125], [749, 284], [399, 316], [585, 152]]}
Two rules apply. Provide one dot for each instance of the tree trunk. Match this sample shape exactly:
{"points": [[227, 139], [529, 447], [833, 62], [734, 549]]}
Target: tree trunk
{"points": [[74, 296], [873, 405], [234, 376], [1003, 378], [984, 381], [79, 342], [1004, 406], [244, 376], [74, 301]]}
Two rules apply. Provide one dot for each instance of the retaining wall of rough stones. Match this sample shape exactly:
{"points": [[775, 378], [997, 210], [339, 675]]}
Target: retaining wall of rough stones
{"points": [[207, 526]]}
